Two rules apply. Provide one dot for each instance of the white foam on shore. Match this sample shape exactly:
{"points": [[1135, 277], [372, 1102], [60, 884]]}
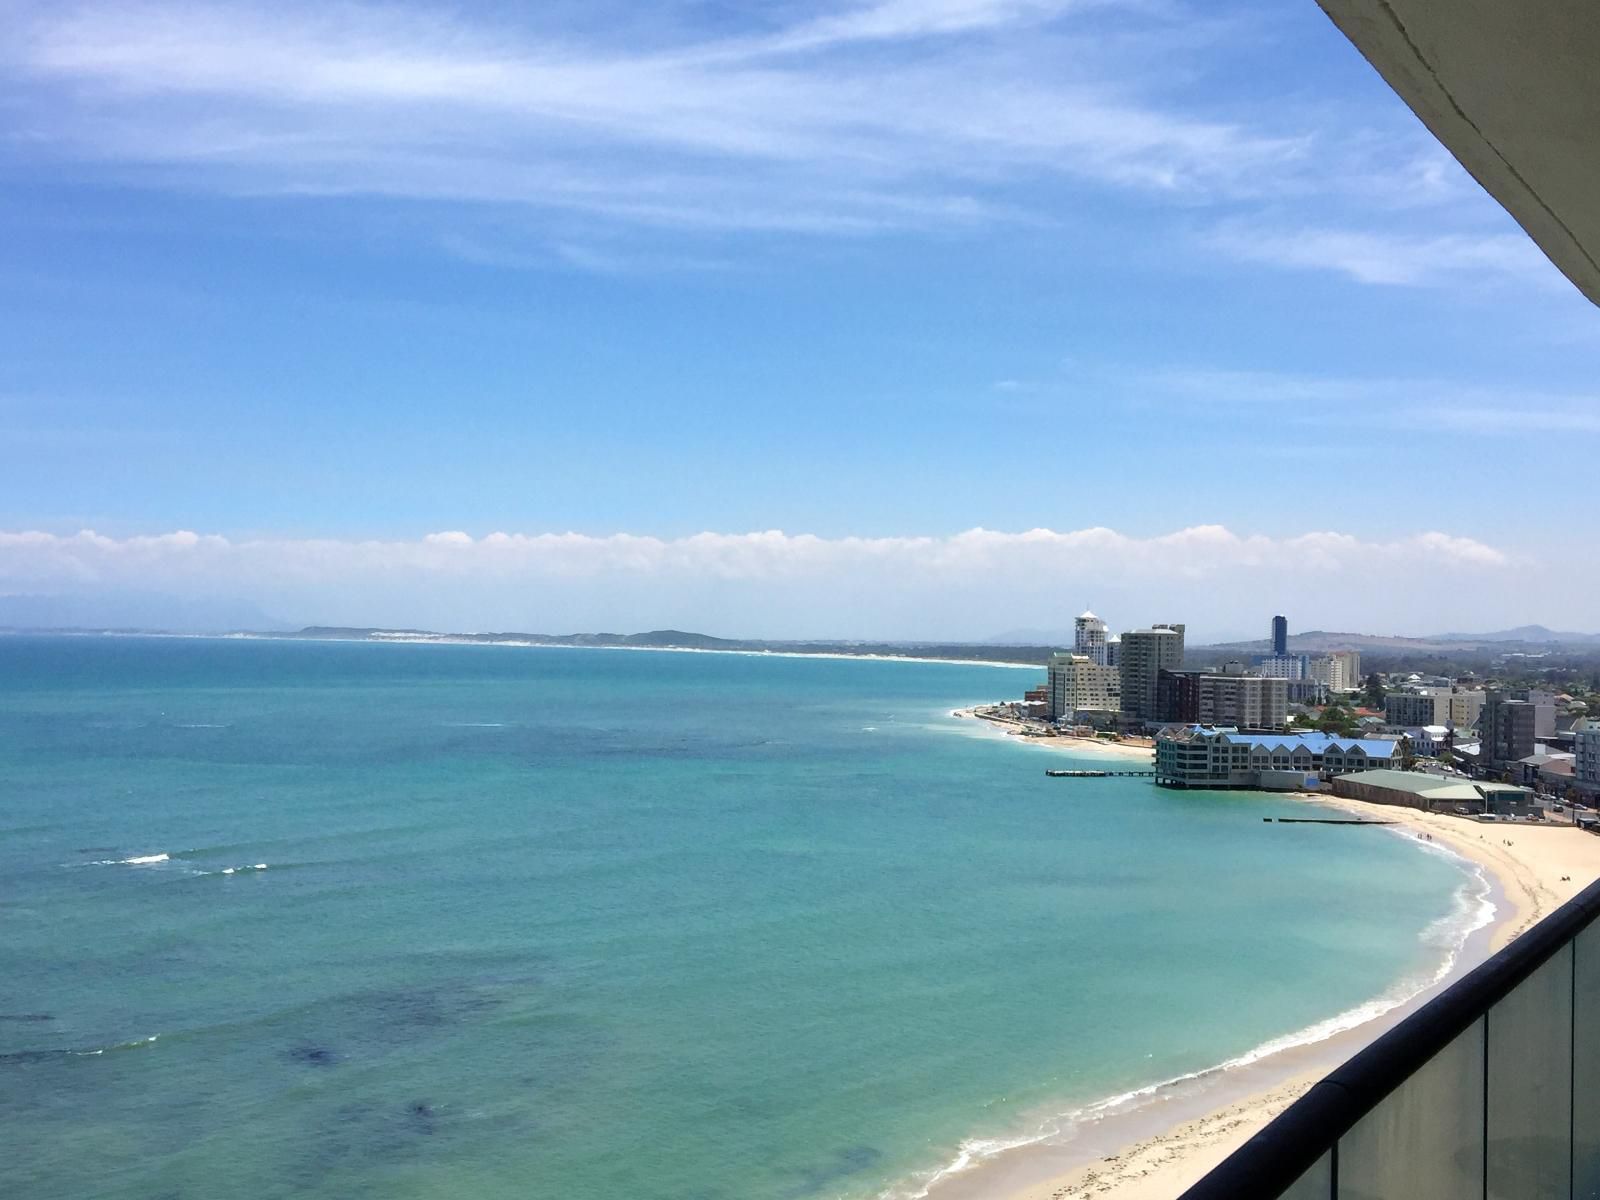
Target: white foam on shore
{"points": [[387, 637], [1473, 910]]}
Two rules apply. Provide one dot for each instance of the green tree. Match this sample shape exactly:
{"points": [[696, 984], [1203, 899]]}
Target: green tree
{"points": [[1337, 719], [1375, 691], [1408, 754]]}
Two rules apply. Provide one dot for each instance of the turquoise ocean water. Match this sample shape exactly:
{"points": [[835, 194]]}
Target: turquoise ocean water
{"points": [[357, 920]]}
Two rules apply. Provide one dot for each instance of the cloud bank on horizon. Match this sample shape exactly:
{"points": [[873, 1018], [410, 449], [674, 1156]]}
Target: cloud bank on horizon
{"points": [[776, 585], [325, 270]]}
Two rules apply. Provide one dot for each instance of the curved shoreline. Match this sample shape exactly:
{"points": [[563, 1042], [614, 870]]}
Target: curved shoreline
{"points": [[1060, 743], [1086, 1151], [447, 639], [1151, 1143]]}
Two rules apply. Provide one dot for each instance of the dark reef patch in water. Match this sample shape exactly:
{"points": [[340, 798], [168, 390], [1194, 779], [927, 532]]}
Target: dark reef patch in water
{"points": [[363, 1132], [422, 1118], [314, 1056], [847, 1161]]}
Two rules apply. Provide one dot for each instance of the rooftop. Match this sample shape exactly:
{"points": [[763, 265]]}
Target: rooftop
{"points": [[1316, 743], [1433, 787], [1416, 783]]}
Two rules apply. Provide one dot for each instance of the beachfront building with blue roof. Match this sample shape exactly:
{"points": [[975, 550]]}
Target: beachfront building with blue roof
{"points": [[1203, 756]]}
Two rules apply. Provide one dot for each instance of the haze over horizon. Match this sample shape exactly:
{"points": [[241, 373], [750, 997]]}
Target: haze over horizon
{"points": [[406, 314]]}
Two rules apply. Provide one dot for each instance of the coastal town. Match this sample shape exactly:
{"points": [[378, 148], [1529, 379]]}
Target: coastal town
{"points": [[1494, 746]]}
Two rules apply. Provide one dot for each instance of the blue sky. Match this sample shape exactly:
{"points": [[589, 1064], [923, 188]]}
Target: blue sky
{"points": [[306, 275]]}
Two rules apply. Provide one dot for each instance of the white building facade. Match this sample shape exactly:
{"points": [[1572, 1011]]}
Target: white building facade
{"points": [[1089, 639]]}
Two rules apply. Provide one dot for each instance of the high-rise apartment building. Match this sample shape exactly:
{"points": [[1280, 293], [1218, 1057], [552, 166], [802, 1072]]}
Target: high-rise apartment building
{"points": [[1089, 638], [1283, 666], [1178, 697], [1280, 636], [1352, 668], [1586, 746], [1328, 670], [1079, 684], [1507, 727], [1424, 706], [1244, 701], [1464, 709], [1144, 655]]}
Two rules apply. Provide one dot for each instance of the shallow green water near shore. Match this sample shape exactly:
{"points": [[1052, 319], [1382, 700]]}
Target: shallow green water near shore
{"points": [[352, 920]]}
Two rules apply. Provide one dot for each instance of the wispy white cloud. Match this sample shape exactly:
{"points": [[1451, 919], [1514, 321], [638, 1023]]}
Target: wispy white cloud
{"points": [[842, 119], [1390, 258], [785, 129], [1415, 404], [1516, 418], [770, 582]]}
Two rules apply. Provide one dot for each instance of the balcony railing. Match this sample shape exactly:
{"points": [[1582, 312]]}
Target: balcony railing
{"points": [[1490, 1091]]}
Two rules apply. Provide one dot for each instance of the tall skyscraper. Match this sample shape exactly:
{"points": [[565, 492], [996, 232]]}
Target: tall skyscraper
{"points": [[1089, 638], [1280, 636], [1145, 654]]}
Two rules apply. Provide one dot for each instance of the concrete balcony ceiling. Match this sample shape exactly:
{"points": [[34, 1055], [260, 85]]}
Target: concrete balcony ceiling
{"points": [[1512, 89]]}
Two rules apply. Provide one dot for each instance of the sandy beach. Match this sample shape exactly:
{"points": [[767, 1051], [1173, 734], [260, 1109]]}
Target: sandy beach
{"points": [[1062, 743], [1157, 1152]]}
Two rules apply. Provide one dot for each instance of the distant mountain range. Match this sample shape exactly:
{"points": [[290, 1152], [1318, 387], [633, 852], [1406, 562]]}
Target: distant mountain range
{"points": [[677, 639], [656, 638], [1319, 641], [1522, 633], [134, 611]]}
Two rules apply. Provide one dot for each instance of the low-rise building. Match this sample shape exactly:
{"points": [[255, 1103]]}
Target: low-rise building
{"points": [[1412, 789], [1196, 756], [1543, 767], [1428, 740]]}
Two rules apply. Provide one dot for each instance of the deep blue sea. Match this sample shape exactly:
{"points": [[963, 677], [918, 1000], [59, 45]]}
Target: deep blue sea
{"points": [[359, 920]]}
